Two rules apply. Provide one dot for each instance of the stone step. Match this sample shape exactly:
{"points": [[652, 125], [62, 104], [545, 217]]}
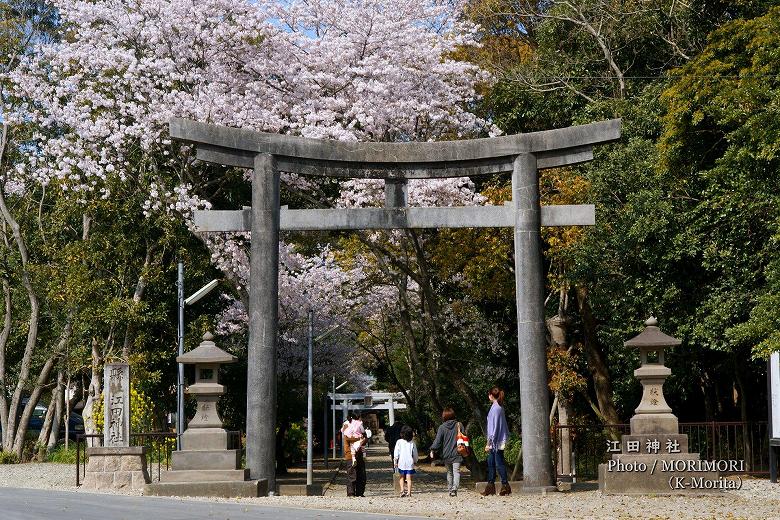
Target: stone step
{"points": [[205, 460], [206, 475], [246, 488], [314, 490]]}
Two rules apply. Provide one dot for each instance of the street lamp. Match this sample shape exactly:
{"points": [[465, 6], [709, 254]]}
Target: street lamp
{"points": [[310, 400], [200, 293]]}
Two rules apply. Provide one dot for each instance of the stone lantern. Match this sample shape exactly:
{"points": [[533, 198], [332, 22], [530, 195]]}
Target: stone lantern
{"points": [[654, 457], [206, 425], [205, 466], [653, 415]]}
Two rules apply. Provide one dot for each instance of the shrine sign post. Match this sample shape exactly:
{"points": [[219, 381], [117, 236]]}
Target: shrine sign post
{"points": [[116, 405], [523, 155]]}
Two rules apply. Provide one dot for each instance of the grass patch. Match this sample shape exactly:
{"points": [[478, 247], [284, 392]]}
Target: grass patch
{"points": [[60, 455]]}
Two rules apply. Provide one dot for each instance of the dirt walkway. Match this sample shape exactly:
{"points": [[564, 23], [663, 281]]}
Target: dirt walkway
{"points": [[379, 477]]}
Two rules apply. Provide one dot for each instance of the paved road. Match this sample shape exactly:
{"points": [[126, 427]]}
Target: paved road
{"points": [[33, 504]]}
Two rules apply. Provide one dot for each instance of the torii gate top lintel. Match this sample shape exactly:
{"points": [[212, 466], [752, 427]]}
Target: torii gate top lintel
{"points": [[406, 160]]}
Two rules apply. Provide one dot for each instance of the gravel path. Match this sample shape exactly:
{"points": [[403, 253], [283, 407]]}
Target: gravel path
{"points": [[38, 476], [757, 499]]}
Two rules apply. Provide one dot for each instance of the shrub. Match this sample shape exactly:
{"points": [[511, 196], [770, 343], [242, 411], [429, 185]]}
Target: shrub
{"points": [[294, 443], [478, 445], [8, 457], [29, 446], [511, 452]]}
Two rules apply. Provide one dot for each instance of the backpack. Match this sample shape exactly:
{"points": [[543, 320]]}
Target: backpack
{"points": [[462, 443]]}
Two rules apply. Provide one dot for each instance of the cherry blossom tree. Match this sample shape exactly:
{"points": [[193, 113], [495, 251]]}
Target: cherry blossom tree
{"points": [[353, 70], [350, 70]]}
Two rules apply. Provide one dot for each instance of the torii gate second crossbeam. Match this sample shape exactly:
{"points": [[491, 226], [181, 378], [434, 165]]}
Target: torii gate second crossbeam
{"points": [[523, 155], [379, 401]]}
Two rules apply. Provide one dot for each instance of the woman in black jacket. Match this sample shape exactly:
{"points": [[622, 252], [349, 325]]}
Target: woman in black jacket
{"points": [[446, 443]]}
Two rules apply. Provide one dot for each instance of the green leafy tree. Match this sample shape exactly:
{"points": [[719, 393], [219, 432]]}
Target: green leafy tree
{"points": [[722, 140]]}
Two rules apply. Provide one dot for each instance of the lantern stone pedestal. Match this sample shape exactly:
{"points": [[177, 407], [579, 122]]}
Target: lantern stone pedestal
{"points": [[654, 458], [205, 466]]}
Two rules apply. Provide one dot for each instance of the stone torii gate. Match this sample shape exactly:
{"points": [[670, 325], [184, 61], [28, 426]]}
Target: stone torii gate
{"points": [[379, 401], [523, 155]]}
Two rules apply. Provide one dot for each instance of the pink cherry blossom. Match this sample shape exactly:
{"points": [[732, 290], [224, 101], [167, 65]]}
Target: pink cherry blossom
{"points": [[356, 70]]}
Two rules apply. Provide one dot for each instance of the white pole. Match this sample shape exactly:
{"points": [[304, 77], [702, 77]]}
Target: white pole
{"points": [[333, 404], [67, 413], [392, 411], [325, 431], [180, 376], [310, 415]]}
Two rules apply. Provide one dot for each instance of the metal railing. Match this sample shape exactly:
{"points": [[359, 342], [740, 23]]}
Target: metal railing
{"points": [[159, 448], [587, 446]]}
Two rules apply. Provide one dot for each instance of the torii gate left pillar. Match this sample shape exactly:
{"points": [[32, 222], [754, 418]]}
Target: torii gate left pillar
{"points": [[263, 321], [523, 155]]}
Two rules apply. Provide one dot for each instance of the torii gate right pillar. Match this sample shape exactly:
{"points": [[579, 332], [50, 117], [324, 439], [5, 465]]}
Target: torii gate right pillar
{"points": [[531, 340]]}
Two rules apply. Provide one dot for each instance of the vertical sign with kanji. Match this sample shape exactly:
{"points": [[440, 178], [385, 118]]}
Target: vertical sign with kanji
{"points": [[116, 405]]}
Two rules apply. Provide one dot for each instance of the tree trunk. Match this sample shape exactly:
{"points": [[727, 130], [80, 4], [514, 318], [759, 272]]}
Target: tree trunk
{"points": [[43, 435], [4, 335], [596, 360], [467, 393], [427, 378], [6, 332], [437, 338], [35, 397], [95, 389], [743, 413], [32, 325], [475, 467], [59, 406], [707, 390], [140, 286], [41, 382]]}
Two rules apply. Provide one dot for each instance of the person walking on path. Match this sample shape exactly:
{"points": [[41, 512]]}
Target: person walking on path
{"points": [[404, 459], [356, 469], [446, 442], [497, 437]]}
